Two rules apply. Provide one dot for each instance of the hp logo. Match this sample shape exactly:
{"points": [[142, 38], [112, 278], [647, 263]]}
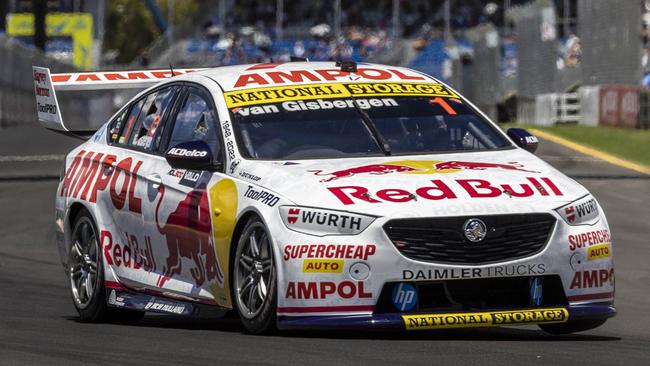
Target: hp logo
{"points": [[404, 296]]}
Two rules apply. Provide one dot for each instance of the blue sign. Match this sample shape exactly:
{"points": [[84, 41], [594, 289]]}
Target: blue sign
{"points": [[536, 292], [404, 296]]}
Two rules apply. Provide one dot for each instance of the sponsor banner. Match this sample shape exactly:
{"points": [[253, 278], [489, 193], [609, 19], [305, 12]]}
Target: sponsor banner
{"points": [[262, 196], [466, 273], [485, 319], [589, 238], [248, 97], [593, 279], [440, 190], [580, 212], [329, 251], [325, 290], [322, 266], [323, 222], [598, 252]]}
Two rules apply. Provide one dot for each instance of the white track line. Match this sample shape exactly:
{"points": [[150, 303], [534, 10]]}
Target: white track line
{"points": [[20, 158]]}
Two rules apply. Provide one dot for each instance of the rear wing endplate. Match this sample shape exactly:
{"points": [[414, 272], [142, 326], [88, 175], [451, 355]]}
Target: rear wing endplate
{"points": [[46, 85]]}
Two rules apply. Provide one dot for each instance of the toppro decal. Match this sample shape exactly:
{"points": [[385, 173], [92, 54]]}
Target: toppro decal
{"points": [[439, 190], [487, 319], [462, 273], [593, 279], [326, 290], [265, 197], [329, 251]]}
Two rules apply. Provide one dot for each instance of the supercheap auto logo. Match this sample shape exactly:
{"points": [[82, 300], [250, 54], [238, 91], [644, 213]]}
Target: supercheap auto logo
{"points": [[246, 97], [487, 319], [417, 167]]}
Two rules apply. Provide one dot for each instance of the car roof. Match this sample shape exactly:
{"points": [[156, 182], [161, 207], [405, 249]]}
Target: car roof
{"points": [[290, 73]]}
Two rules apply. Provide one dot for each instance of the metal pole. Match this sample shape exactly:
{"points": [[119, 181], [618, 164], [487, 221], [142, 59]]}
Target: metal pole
{"points": [[279, 18], [567, 16], [337, 18], [396, 25], [447, 20], [222, 14], [171, 6]]}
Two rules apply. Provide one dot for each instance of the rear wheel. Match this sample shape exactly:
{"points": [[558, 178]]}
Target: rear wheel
{"points": [[86, 275], [254, 278], [572, 326]]}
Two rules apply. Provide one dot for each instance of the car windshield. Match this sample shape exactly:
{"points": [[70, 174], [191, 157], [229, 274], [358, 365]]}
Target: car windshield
{"points": [[336, 128]]}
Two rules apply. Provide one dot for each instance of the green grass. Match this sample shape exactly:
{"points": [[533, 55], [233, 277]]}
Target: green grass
{"points": [[628, 144]]}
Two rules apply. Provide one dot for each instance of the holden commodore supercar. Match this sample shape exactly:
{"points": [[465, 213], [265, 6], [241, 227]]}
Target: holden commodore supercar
{"points": [[320, 195]]}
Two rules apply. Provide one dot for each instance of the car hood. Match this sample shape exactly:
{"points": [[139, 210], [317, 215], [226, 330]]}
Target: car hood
{"points": [[490, 182]]}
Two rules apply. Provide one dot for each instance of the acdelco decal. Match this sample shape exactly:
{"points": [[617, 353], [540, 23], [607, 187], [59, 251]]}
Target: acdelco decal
{"points": [[90, 173], [486, 319], [593, 278], [246, 97], [595, 237], [329, 251], [475, 188], [300, 76], [322, 266], [325, 290]]}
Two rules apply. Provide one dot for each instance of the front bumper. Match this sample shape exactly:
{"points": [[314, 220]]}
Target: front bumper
{"points": [[401, 321]]}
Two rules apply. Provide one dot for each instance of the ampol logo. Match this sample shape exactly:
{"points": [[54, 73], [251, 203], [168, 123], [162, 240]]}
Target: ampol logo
{"points": [[418, 167]]}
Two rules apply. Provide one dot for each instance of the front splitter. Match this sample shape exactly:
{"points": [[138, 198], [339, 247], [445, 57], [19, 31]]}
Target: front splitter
{"points": [[448, 320]]}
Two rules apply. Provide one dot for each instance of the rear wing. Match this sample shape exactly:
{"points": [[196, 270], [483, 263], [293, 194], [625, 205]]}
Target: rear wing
{"points": [[46, 85]]}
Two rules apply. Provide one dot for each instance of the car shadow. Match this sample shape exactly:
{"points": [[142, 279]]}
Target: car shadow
{"points": [[232, 324]]}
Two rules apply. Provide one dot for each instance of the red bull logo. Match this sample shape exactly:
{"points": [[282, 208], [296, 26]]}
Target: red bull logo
{"points": [[187, 233], [418, 167]]}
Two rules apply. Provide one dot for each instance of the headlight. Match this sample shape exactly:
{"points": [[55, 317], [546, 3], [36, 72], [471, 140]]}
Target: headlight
{"points": [[583, 211], [319, 222]]}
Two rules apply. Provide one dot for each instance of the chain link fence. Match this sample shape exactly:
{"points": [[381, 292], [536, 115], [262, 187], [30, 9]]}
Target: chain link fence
{"points": [[81, 110]]}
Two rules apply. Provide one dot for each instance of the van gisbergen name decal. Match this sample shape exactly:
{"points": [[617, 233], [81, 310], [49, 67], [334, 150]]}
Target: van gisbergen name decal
{"points": [[246, 97], [485, 319]]}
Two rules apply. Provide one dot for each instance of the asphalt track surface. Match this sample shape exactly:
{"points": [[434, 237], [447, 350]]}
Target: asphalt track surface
{"points": [[38, 324]]}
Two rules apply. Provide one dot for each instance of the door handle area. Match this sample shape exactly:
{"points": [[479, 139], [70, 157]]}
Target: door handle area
{"points": [[154, 179]]}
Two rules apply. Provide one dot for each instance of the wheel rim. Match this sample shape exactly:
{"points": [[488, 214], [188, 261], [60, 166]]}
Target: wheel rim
{"points": [[83, 262], [253, 271]]}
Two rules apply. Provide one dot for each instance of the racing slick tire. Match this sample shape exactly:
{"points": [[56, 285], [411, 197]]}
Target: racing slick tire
{"points": [[572, 326], [86, 275], [255, 279]]}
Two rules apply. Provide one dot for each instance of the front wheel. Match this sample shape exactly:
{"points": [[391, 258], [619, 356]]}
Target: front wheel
{"points": [[86, 275], [254, 279], [572, 326]]}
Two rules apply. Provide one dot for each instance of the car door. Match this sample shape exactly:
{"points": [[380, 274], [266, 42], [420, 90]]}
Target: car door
{"points": [[134, 188], [183, 216]]}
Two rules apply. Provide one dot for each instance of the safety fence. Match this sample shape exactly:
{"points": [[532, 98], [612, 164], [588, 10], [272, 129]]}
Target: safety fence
{"points": [[552, 65], [81, 110]]}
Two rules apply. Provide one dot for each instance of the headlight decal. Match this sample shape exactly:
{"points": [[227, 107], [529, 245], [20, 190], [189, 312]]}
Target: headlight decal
{"points": [[583, 211], [321, 222]]}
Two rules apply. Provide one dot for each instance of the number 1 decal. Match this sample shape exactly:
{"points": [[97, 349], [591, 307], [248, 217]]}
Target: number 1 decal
{"points": [[441, 102]]}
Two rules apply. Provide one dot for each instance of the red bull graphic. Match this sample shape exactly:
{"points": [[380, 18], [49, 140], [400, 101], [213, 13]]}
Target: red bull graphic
{"points": [[374, 169], [187, 233], [418, 167]]}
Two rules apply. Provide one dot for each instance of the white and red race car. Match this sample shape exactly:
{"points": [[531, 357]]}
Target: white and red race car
{"points": [[320, 195]]}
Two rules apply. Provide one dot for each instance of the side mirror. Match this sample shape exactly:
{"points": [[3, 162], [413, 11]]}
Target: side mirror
{"points": [[191, 155], [523, 139]]}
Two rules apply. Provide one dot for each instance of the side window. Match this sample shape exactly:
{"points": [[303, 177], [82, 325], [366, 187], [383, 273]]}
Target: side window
{"points": [[147, 123], [116, 126], [130, 121], [196, 121]]}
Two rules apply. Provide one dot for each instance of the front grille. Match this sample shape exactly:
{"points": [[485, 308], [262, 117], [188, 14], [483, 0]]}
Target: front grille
{"points": [[441, 240], [477, 294]]}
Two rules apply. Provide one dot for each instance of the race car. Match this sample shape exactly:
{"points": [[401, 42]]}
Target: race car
{"points": [[308, 195]]}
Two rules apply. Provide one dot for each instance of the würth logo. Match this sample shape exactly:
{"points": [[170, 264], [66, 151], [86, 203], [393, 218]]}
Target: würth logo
{"points": [[292, 215], [569, 212]]}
